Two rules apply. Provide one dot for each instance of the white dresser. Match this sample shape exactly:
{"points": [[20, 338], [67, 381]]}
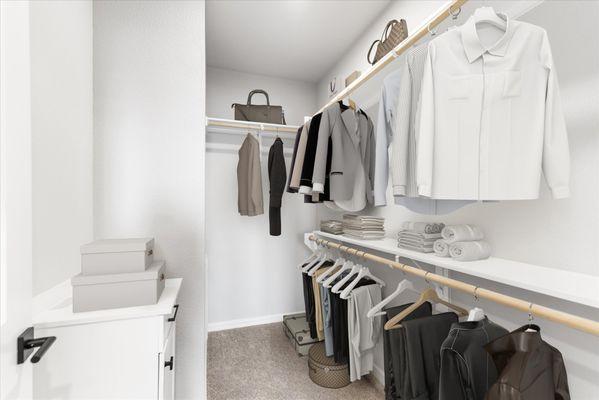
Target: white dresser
{"points": [[125, 353]]}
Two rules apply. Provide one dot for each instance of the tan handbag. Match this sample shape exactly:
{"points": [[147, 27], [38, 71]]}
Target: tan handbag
{"points": [[259, 113], [395, 32]]}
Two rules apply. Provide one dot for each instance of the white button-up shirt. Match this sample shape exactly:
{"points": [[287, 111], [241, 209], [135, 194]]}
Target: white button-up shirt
{"points": [[491, 118]]}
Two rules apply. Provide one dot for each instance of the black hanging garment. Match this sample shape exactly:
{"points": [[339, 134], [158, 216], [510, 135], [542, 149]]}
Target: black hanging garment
{"points": [[467, 370], [397, 373], [277, 175]]}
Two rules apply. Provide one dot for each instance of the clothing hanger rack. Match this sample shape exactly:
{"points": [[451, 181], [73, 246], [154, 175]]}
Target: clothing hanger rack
{"points": [[285, 131], [536, 310], [445, 12]]}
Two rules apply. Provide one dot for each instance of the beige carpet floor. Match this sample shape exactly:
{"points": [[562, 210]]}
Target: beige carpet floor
{"points": [[259, 363]]}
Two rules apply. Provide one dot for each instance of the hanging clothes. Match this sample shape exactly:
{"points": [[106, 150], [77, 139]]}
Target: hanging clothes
{"points": [[424, 337], [397, 372], [403, 149], [467, 370], [277, 175], [293, 156], [319, 311], [249, 178], [294, 183], [309, 155], [529, 368], [493, 107], [363, 332]]}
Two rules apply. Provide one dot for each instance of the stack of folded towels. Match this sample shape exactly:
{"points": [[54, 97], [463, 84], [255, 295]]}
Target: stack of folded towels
{"points": [[419, 236], [332, 226], [363, 226], [462, 243]]}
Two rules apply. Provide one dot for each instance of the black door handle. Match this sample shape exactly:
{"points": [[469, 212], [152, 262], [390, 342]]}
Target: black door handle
{"points": [[169, 363], [26, 343], [174, 317]]}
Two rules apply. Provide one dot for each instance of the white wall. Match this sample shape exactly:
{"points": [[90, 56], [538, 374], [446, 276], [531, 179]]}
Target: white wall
{"points": [[255, 282], [149, 103], [61, 129], [15, 196], [558, 234], [225, 87]]}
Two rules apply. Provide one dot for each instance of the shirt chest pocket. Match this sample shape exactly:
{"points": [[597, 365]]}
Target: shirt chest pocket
{"points": [[512, 84]]}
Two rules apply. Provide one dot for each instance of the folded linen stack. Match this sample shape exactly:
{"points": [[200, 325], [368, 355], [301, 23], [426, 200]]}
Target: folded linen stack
{"points": [[332, 226], [363, 226], [419, 236], [463, 243]]}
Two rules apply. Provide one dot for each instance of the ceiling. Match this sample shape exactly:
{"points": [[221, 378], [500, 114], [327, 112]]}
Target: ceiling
{"points": [[293, 39]]}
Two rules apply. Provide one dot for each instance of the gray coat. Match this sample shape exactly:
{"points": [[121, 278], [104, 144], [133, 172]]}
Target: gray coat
{"points": [[249, 178], [352, 137]]}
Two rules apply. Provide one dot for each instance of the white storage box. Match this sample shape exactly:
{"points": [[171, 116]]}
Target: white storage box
{"points": [[99, 292], [115, 256]]}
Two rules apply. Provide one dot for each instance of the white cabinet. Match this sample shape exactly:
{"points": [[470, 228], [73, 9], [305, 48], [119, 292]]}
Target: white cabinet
{"points": [[123, 353]]}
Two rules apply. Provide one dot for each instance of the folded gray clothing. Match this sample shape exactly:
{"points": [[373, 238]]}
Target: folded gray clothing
{"points": [[470, 251], [419, 235], [441, 248], [362, 218], [426, 249], [423, 227], [462, 233], [417, 242], [365, 237]]}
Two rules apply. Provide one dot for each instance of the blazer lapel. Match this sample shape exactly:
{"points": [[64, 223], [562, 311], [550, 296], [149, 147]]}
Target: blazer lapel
{"points": [[351, 124]]}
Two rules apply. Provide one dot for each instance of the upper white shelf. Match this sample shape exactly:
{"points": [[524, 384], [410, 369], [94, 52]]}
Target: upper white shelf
{"points": [[249, 125], [572, 286], [55, 307]]}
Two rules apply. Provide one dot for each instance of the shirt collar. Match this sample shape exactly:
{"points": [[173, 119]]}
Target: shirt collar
{"points": [[474, 48]]}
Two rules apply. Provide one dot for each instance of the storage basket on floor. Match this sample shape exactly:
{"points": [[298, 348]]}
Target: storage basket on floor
{"points": [[297, 330], [324, 371]]}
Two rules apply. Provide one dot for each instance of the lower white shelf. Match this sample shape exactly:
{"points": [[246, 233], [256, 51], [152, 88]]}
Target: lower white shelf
{"points": [[572, 286]]}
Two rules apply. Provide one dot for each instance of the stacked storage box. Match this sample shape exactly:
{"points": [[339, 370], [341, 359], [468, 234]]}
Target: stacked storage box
{"points": [[117, 273]]}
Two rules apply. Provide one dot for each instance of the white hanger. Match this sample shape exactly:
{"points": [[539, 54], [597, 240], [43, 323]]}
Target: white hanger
{"points": [[317, 265], [347, 265], [339, 261], [364, 272], [476, 314], [322, 256], [309, 259], [401, 287], [488, 15], [337, 287]]}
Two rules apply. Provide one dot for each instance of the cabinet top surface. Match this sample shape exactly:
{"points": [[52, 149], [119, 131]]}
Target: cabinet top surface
{"points": [[54, 307]]}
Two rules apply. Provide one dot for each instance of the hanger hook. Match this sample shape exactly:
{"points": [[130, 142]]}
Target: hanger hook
{"points": [[475, 293], [530, 316], [454, 14], [433, 32], [426, 277]]}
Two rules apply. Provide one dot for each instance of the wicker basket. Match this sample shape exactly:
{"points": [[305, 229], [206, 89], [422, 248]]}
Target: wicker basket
{"points": [[324, 371]]}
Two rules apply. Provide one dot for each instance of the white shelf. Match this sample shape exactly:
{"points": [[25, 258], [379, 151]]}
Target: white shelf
{"points": [[572, 286], [56, 308], [217, 125]]}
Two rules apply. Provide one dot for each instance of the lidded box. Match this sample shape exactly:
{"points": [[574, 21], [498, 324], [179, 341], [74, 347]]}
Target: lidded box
{"points": [[114, 256], [99, 292]]}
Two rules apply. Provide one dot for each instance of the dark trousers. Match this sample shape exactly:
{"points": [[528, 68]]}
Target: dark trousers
{"points": [[309, 305]]}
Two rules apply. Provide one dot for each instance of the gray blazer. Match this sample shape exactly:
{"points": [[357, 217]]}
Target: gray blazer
{"points": [[352, 137]]}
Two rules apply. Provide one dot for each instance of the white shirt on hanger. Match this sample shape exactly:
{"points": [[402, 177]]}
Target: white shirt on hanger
{"points": [[491, 118]]}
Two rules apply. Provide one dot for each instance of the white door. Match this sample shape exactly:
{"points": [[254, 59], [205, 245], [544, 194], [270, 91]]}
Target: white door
{"points": [[15, 197]]}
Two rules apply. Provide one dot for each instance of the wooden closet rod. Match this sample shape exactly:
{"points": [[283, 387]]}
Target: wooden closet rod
{"points": [[411, 40], [572, 321]]}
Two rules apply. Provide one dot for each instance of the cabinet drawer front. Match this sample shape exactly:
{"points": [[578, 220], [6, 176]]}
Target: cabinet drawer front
{"points": [[167, 364]]}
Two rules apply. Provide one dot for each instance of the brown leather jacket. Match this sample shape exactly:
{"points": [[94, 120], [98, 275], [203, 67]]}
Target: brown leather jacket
{"points": [[529, 368]]}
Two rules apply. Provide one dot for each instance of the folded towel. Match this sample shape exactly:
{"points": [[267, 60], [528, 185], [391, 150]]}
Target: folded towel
{"points": [[421, 249], [419, 235], [462, 233], [441, 248], [470, 251], [417, 242], [423, 227]]}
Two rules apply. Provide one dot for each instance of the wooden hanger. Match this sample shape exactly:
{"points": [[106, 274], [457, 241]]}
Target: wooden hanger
{"points": [[428, 295]]}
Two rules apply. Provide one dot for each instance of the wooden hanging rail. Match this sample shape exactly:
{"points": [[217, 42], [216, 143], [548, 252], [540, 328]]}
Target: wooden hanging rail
{"points": [[259, 126], [572, 321], [431, 23]]}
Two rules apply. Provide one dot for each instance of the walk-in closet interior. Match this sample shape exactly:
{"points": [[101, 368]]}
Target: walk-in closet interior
{"points": [[299, 199]]}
